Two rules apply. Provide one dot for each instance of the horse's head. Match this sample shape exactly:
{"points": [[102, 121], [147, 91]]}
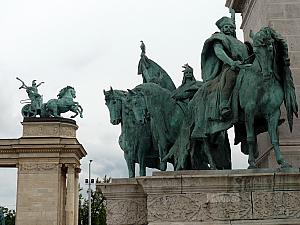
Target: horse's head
{"points": [[136, 101], [264, 50], [113, 100], [73, 92], [67, 92]]}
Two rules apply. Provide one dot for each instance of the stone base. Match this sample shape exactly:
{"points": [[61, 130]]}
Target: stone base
{"points": [[48, 160], [261, 196]]}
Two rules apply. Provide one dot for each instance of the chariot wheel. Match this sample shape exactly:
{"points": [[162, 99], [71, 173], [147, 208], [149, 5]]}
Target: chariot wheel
{"points": [[29, 111]]}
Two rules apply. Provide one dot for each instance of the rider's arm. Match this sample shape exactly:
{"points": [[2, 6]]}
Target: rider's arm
{"points": [[221, 54], [40, 84]]}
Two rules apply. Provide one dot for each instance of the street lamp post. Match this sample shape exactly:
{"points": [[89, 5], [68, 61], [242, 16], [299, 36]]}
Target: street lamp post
{"points": [[89, 190]]}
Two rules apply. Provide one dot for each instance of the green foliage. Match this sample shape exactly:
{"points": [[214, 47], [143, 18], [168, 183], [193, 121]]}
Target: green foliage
{"points": [[9, 216], [98, 207]]}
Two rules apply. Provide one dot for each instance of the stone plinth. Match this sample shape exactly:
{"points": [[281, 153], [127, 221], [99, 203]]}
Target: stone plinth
{"points": [[126, 202], [49, 127], [205, 198], [48, 160], [284, 17]]}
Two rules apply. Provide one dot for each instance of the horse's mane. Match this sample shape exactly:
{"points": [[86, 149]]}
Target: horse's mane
{"points": [[160, 105], [63, 91], [118, 94], [268, 36], [281, 68], [155, 94]]}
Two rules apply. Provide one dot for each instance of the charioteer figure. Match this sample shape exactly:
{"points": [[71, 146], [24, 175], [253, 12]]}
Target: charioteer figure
{"points": [[34, 107], [33, 94]]}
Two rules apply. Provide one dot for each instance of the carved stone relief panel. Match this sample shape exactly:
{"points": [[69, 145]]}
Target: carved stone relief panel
{"points": [[32, 168], [129, 211], [41, 130], [201, 207], [67, 131], [275, 205]]}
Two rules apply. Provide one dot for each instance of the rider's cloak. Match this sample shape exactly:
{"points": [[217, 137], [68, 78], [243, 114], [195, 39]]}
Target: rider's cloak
{"points": [[214, 74]]}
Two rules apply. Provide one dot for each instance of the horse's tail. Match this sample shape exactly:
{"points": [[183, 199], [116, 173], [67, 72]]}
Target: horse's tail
{"points": [[290, 101]]}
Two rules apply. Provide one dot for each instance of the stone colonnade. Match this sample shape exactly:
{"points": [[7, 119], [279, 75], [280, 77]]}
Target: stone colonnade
{"points": [[48, 160]]}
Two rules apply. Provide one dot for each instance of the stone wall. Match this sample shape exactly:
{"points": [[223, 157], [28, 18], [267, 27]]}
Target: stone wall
{"points": [[205, 198]]}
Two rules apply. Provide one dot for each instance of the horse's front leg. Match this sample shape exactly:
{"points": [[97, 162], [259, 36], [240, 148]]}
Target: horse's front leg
{"points": [[273, 132], [80, 110], [207, 152], [162, 155], [141, 157], [74, 109], [73, 116], [251, 138], [130, 165]]}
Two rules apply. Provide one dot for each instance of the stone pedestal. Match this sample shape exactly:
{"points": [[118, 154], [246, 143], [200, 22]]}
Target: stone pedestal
{"points": [[205, 198], [48, 160], [284, 17]]}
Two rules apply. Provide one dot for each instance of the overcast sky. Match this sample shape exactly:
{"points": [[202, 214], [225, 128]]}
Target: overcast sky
{"points": [[92, 45]]}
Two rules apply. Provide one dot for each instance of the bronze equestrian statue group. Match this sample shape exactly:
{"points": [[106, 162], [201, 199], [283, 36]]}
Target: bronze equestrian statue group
{"points": [[243, 86], [34, 106]]}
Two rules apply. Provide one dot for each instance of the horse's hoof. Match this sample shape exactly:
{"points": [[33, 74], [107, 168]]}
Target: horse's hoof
{"points": [[163, 166], [213, 167], [252, 167], [285, 164]]}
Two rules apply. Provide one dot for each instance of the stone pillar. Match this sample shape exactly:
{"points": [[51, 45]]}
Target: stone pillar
{"points": [[77, 171], [70, 200], [46, 151], [63, 191], [284, 17], [38, 193]]}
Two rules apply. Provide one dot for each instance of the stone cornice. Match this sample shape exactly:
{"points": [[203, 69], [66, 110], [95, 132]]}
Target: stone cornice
{"points": [[16, 149], [237, 5], [242, 6], [50, 120]]}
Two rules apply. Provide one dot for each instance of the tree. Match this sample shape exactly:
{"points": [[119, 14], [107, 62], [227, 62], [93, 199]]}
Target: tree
{"points": [[9, 216], [98, 206]]}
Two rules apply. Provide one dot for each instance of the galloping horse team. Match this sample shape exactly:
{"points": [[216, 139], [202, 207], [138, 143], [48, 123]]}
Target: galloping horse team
{"points": [[243, 86], [34, 106]]}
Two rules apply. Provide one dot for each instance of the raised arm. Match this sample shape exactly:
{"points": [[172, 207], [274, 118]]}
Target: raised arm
{"points": [[23, 84], [40, 83]]}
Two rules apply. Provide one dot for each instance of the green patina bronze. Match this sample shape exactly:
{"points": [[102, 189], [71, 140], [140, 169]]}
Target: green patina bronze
{"points": [[135, 139], [244, 85], [2, 219], [35, 101], [152, 72], [34, 106]]}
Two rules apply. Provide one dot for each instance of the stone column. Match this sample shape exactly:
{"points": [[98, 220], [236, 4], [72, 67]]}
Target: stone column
{"points": [[63, 190], [284, 17], [77, 171], [38, 193], [70, 200]]}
